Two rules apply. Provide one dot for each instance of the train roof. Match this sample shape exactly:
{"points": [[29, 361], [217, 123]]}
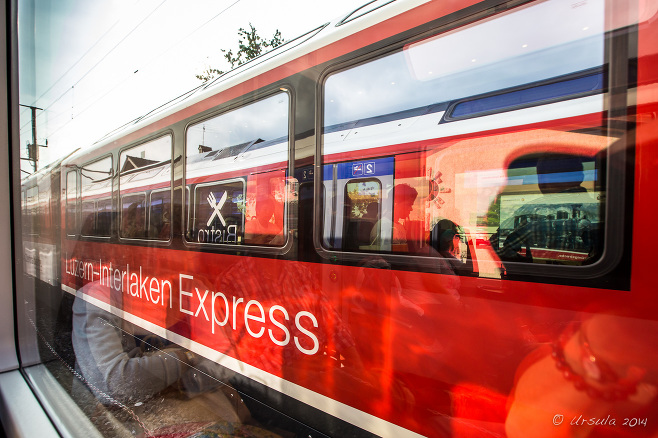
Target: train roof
{"points": [[205, 95]]}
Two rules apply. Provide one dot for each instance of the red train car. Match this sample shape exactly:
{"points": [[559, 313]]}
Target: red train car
{"points": [[424, 219]]}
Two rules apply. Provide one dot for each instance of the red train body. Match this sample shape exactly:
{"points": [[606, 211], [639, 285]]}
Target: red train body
{"points": [[392, 222]]}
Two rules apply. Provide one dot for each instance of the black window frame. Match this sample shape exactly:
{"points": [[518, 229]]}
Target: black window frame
{"points": [[123, 150], [189, 201], [620, 49]]}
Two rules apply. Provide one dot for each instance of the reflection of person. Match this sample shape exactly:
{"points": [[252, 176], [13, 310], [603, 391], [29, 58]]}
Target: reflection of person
{"points": [[560, 174], [403, 201], [133, 221], [122, 370], [266, 228], [584, 231], [512, 247], [160, 225], [603, 368], [446, 241]]}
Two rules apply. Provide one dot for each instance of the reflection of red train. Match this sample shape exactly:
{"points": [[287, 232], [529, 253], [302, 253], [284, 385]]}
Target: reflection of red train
{"points": [[381, 228]]}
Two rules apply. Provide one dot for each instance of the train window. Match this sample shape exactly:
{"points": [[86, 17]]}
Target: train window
{"points": [[219, 212], [32, 207], [551, 211], [96, 185], [427, 75], [133, 216], [511, 201], [251, 144], [46, 217], [146, 168], [104, 217], [71, 203], [265, 204], [88, 218], [160, 215], [362, 214]]}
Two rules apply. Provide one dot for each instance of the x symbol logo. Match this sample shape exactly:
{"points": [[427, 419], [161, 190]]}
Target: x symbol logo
{"points": [[217, 206]]}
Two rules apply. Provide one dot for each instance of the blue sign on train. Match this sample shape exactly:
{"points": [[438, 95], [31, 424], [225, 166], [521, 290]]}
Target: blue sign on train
{"points": [[378, 167], [357, 169]]}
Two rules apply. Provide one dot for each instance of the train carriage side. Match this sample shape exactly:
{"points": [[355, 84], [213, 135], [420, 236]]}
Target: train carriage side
{"points": [[405, 238]]}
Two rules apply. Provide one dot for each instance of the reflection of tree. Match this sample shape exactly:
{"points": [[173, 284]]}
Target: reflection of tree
{"points": [[360, 201], [250, 46], [492, 218]]}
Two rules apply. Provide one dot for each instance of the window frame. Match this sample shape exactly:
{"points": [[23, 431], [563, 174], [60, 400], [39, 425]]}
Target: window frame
{"points": [[145, 228], [80, 197], [76, 216], [347, 215], [150, 212], [216, 183], [124, 149], [619, 50], [189, 201]]}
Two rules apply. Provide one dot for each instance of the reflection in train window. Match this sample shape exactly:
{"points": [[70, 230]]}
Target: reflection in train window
{"points": [[252, 140], [362, 213], [160, 215], [103, 217], [88, 218], [46, 214], [133, 216], [32, 208], [424, 77], [219, 212], [262, 124], [550, 212], [143, 167], [264, 222], [96, 183], [71, 203]]}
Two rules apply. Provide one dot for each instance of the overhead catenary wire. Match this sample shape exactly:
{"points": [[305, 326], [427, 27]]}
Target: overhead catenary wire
{"points": [[149, 62], [106, 54]]}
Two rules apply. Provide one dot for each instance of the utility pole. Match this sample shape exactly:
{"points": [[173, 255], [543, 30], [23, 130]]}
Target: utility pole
{"points": [[33, 148]]}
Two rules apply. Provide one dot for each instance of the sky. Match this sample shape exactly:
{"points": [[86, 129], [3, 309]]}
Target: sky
{"points": [[91, 66]]}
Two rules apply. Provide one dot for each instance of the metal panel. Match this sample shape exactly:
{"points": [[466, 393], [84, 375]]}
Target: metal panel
{"points": [[20, 412], [8, 358]]}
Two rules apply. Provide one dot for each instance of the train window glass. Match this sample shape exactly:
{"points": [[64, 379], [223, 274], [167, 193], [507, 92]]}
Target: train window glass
{"points": [[32, 207], [71, 203], [45, 217], [265, 205], [472, 60], [160, 215], [251, 141], [219, 212], [551, 211], [362, 214], [133, 216], [96, 183], [477, 200], [145, 167], [103, 217], [88, 218], [24, 210]]}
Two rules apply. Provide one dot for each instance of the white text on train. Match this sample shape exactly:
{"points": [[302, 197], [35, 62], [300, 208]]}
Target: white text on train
{"points": [[254, 320], [228, 235], [133, 282]]}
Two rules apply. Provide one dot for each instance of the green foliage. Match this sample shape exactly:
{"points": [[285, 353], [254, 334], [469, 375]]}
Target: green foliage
{"points": [[250, 46]]}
